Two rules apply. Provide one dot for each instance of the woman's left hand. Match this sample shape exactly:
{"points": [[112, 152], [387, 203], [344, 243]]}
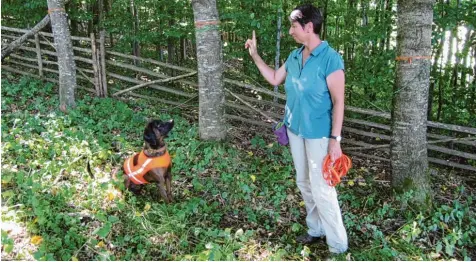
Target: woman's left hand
{"points": [[334, 150]]}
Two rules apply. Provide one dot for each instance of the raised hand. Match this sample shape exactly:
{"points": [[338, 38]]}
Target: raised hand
{"points": [[251, 45]]}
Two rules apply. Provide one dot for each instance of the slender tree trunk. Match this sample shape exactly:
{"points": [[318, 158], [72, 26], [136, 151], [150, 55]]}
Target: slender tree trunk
{"points": [[182, 50], [454, 76], [385, 21], [472, 105], [388, 16], [278, 47], [64, 49], [349, 21], [378, 13], [108, 8], [441, 99], [135, 42], [324, 24], [171, 45], [210, 70], [409, 157], [90, 6], [71, 5], [100, 15], [435, 74], [469, 38]]}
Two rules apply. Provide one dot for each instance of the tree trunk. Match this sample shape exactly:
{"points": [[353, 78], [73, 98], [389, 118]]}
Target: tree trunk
{"points": [[454, 76], [388, 20], [183, 53], [278, 47], [469, 38], [324, 23], [135, 42], [90, 6], [210, 70], [171, 46], [409, 157], [378, 13], [435, 74], [64, 50], [71, 5], [472, 105]]}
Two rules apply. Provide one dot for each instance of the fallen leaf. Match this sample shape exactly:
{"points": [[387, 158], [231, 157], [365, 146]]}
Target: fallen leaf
{"points": [[253, 177], [147, 207], [110, 196], [36, 240], [239, 232]]}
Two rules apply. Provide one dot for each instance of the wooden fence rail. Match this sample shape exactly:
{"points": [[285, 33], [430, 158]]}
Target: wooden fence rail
{"points": [[367, 132]]}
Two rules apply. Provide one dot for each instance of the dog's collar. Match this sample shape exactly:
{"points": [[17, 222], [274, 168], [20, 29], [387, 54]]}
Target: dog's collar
{"points": [[155, 152]]}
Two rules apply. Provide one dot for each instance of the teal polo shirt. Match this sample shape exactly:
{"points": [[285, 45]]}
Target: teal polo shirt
{"points": [[308, 111]]}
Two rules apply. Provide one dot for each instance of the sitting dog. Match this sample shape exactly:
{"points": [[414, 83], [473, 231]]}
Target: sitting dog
{"points": [[153, 164]]}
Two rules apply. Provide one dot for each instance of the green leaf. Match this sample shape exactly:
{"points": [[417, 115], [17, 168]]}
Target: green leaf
{"points": [[449, 249], [215, 255], [439, 247], [104, 231], [113, 219], [296, 227]]}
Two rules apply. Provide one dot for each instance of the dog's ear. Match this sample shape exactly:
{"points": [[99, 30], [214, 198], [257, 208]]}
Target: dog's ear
{"points": [[165, 127]]}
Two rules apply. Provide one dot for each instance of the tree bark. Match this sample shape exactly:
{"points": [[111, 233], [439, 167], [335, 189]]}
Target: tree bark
{"points": [[7, 50], [435, 74], [210, 70], [324, 23], [135, 42], [470, 38], [472, 105], [388, 15], [278, 47], [171, 44], [409, 156], [64, 49], [71, 5]]}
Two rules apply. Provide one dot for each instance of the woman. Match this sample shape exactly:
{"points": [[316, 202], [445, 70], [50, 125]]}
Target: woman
{"points": [[314, 83]]}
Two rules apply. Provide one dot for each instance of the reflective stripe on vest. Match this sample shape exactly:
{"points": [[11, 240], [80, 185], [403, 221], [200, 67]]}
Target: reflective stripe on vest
{"points": [[144, 164]]}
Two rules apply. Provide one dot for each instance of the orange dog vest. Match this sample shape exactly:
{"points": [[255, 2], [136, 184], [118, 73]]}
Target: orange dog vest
{"points": [[144, 164]]}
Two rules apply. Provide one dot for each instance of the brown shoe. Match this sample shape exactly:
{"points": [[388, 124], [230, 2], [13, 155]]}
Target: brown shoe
{"points": [[307, 239]]}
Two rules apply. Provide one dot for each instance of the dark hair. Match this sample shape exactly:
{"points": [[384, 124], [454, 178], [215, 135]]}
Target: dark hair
{"points": [[309, 13]]}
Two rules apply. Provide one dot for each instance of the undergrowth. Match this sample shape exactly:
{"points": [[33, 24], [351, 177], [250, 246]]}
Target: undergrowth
{"points": [[231, 202]]}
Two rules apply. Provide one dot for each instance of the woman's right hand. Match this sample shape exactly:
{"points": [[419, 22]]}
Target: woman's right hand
{"points": [[251, 45]]}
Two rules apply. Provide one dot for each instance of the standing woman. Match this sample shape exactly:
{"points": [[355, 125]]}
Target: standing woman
{"points": [[314, 112]]}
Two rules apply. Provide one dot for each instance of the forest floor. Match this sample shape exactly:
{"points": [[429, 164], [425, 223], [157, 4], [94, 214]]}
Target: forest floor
{"points": [[236, 200]]}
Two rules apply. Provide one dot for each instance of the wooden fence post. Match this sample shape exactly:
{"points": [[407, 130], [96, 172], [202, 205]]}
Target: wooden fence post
{"points": [[38, 55], [102, 49], [97, 82]]}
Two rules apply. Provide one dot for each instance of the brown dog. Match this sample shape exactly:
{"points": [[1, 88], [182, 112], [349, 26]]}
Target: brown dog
{"points": [[153, 164]]}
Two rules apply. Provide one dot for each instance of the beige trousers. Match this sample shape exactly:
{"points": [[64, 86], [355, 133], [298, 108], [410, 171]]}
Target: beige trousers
{"points": [[323, 211]]}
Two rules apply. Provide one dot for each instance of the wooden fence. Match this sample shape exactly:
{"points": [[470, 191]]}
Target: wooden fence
{"points": [[104, 72]]}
